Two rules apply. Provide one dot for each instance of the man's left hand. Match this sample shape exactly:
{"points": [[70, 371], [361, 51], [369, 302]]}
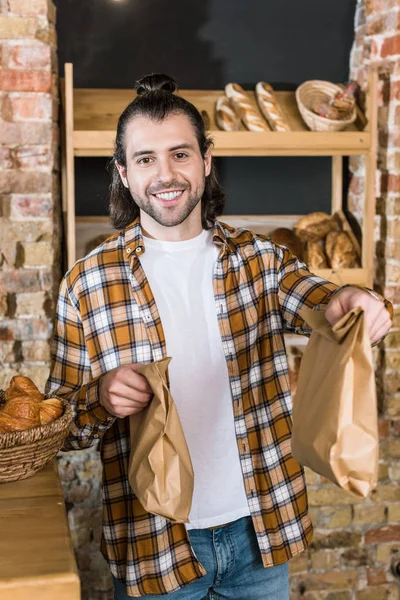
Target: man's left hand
{"points": [[377, 317]]}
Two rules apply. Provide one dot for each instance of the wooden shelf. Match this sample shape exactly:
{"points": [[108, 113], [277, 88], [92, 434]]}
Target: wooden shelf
{"points": [[96, 113], [89, 123]]}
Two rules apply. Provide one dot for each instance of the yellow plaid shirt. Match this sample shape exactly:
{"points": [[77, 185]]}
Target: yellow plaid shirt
{"points": [[107, 317]]}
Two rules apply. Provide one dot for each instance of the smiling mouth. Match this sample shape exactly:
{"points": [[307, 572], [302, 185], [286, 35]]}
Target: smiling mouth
{"points": [[168, 196]]}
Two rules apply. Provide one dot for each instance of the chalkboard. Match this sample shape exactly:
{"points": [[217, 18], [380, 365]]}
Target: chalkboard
{"points": [[206, 44]]}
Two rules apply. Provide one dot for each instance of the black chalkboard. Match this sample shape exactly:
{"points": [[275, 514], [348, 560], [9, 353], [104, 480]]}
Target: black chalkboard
{"points": [[204, 45]]}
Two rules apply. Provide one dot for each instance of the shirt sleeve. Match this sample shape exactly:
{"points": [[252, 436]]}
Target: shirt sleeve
{"points": [[70, 377], [299, 288]]}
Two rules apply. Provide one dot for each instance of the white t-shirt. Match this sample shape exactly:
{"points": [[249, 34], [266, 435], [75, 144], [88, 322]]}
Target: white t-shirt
{"points": [[180, 275]]}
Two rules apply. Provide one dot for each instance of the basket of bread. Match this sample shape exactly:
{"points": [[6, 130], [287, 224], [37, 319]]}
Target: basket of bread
{"points": [[326, 106], [33, 428]]}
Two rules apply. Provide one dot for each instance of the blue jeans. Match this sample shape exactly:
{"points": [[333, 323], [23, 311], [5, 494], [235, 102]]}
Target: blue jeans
{"points": [[232, 559]]}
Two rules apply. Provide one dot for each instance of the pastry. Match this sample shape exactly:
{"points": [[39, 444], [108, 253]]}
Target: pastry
{"points": [[247, 109], [344, 255], [315, 226], [316, 258], [49, 410], [270, 108], [287, 237], [20, 385], [226, 115], [330, 242]]}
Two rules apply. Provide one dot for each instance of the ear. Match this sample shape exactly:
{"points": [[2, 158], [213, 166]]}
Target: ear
{"points": [[122, 173], [207, 162]]}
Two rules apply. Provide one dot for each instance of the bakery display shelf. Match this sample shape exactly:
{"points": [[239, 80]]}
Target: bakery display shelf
{"points": [[96, 113], [89, 119], [90, 228]]}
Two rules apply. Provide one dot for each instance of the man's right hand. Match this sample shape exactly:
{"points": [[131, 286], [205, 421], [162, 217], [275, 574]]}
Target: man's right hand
{"points": [[124, 392]]}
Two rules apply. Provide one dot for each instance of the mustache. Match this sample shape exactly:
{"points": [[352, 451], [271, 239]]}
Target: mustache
{"points": [[172, 185]]}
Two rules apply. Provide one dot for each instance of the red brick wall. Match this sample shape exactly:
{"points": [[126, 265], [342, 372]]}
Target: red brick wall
{"points": [[29, 187]]}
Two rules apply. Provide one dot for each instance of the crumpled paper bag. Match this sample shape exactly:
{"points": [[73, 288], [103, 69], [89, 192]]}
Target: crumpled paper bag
{"points": [[335, 415], [160, 469]]}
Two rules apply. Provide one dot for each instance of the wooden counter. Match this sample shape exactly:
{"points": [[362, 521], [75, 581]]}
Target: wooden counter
{"points": [[36, 556]]}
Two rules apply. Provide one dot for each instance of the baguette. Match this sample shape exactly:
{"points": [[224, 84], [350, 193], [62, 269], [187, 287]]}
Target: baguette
{"points": [[247, 109], [270, 108], [226, 115]]}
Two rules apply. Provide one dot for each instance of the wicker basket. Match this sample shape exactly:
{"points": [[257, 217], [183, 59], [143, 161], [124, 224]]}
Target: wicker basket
{"points": [[22, 453], [311, 92]]}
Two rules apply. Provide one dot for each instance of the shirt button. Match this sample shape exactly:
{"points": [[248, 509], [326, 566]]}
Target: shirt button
{"points": [[138, 249], [129, 250]]}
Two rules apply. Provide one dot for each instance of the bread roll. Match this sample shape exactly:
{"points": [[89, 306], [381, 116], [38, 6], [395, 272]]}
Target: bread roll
{"points": [[270, 108], [287, 237], [315, 226], [316, 258], [330, 242], [50, 410], [344, 255], [22, 386], [227, 116], [247, 109]]}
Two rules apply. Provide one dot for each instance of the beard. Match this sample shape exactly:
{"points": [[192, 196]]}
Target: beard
{"points": [[169, 217]]}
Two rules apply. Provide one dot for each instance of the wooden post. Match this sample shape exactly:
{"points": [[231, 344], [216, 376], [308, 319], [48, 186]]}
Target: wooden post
{"points": [[68, 166], [337, 184], [368, 243]]}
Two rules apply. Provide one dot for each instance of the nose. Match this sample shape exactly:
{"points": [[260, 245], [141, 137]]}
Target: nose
{"points": [[166, 170]]}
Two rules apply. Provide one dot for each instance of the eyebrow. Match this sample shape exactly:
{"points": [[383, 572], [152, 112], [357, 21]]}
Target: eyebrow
{"points": [[178, 147]]}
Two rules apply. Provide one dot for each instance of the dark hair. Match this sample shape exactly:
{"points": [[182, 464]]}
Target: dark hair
{"points": [[156, 100]]}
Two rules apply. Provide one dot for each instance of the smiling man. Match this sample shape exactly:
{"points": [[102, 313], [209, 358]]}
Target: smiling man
{"points": [[176, 282]]}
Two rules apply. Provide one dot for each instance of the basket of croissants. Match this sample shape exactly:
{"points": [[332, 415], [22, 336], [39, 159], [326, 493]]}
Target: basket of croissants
{"points": [[33, 428]]}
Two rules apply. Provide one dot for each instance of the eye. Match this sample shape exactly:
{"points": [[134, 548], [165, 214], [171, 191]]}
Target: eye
{"points": [[181, 155], [145, 160]]}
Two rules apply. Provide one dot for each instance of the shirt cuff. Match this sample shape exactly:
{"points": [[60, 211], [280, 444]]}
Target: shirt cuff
{"points": [[94, 408]]}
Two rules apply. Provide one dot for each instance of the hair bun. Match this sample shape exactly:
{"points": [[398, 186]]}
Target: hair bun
{"points": [[156, 82]]}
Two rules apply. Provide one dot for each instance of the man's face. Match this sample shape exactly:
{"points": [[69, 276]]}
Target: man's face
{"points": [[165, 171]]}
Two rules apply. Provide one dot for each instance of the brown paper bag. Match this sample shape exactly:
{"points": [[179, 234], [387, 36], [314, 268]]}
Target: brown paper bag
{"points": [[335, 416], [160, 469]]}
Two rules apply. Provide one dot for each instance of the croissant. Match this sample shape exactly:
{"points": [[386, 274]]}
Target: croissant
{"points": [[50, 410], [22, 386], [23, 407], [9, 423]]}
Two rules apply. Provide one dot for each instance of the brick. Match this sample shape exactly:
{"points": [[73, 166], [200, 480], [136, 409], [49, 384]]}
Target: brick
{"points": [[392, 249], [25, 81], [366, 514], [334, 517], [330, 581], [38, 254], [391, 46], [372, 593], [394, 451], [385, 552], [34, 8], [393, 228], [392, 383], [30, 304], [325, 560], [393, 513], [356, 185], [3, 305], [32, 107], [19, 280], [28, 231], [7, 334], [342, 595], [27, 206], [393, 406], [387, 533], [17, 28], [38, 351], [25, 182], [376, 576], [36, 57], [26, 133], [337, 539], [395, 90], [356, 557], [7, 354], [299, 563], [332, 497], [393, 337], [8, 254], [6, 159], [33, 157], [383, 472], [383, 427], [28, 329]]}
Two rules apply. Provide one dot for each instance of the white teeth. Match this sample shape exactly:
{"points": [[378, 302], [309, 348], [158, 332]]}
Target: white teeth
{"points": [[168, 195]]}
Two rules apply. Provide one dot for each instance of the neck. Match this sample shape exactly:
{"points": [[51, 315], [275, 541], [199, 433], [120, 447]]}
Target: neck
{"points": [[190, 228]]}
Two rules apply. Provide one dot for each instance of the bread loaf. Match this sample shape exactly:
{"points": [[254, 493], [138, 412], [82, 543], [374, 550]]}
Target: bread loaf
{"points": [[50, 410], [246, 107], [270, 108], [315, 226], [316, 258], [227, 116], [330, 242], [344, 255], [287, 237]]}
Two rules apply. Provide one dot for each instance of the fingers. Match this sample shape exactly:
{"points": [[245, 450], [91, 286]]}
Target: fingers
{"points": [[381, 327]]}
